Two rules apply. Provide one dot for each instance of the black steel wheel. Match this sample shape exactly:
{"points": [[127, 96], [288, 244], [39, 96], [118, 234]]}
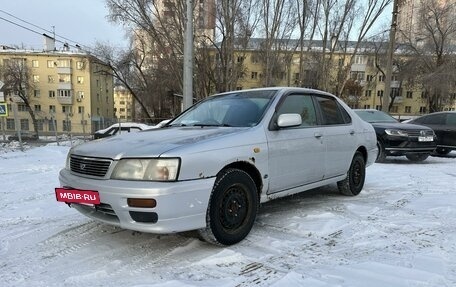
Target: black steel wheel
{"points": [[232, 209], [354, 182]]}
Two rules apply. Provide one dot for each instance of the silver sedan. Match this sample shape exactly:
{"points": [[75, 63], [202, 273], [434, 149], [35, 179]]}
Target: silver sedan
{"points": [[211, 167]]}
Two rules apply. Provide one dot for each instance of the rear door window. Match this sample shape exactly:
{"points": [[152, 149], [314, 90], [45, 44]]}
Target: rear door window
{"points": [[331, 113]]}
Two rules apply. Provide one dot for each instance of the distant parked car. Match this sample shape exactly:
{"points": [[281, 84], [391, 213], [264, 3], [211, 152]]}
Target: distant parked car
{"points": [[210, 168], [25, 136], [124, 128], [444, 126], [397, 139]]}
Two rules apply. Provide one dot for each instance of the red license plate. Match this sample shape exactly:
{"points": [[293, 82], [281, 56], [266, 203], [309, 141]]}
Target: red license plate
{"points": [[71, 195]]}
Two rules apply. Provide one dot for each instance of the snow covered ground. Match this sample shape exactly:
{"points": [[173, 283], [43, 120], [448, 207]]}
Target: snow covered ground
{"points": [[400, 231]]}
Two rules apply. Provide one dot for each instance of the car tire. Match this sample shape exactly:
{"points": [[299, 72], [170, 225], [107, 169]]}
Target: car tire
{"points": [[381, 156], [232, 208], [417, 157], [442, 151], [354, 182]]}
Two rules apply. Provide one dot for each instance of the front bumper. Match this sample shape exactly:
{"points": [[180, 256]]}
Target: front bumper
{"points": [[181, 206], [407, 145]]}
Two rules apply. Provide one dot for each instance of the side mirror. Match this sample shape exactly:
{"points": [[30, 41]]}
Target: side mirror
{"points": [[289, 120]]}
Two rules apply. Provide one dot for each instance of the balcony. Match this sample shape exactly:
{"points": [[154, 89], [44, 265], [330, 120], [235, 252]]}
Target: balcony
{"points": [[358, 67], [63, 70], [399, 99], [395, 84], [65, 86], [65, 97]]}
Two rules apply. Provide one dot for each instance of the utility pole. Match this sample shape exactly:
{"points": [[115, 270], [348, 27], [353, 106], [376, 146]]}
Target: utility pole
{"points": [[389, 64], [188, 57]]}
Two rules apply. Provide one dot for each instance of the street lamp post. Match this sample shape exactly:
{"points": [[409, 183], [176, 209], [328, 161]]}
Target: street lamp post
{"points": [[389, 63], [188, 57]]}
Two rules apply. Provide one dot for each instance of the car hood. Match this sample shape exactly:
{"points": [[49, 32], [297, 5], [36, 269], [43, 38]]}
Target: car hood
{"points": [[151, 143], [399, 126]]}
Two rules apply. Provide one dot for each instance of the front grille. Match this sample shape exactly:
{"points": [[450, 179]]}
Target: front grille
{"points": [[89, 166], [420, 133], [105, 208]]}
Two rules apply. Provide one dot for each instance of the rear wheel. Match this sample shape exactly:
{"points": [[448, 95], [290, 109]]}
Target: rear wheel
{"points": [[354, 182], [232, 209], [442, 151], [417, 157], [381, 156]]}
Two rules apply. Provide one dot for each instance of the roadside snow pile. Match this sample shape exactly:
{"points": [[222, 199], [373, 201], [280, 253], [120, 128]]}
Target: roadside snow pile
{"points": [[12, 146]]}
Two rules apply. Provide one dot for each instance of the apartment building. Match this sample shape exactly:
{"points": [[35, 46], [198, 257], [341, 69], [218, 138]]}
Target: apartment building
{"points": [[124, 104], [410, 99], [72, 92]]}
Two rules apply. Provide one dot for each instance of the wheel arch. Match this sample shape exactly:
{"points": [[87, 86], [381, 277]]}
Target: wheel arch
{"points": [[363, 151], [250, 169]]}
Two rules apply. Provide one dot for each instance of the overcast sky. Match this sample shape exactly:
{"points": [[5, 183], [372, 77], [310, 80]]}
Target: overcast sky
{"points": [[82, 21]]}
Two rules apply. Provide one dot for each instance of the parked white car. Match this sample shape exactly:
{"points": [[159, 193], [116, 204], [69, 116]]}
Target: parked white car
{"points": [[211, 167], [120, 128]]}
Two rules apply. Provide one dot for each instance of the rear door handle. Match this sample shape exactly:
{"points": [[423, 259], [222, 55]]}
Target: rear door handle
{"points": [[318, 135], [352, 132]]}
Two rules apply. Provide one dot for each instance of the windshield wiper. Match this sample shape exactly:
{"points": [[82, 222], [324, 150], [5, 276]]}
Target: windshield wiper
{"points": [[210, 125]]}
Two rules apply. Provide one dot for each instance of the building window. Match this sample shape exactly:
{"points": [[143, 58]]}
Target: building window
{"points": [[52, 109], [10, 124], [423, 110], [424, 95], [368, 93], [21, 107], [367, 106], [79, 65], [254, 75], [63, 63], [369, 78], [394, 109], [254, 58], [409, 95], [67, 109], [37, 108], [378, 107], [51, 94], [66, 125], [380, 93], [359, 59], [64, 93], [80, 110], [51, 79], [50, 64], [80, 80], [238, 88], [52, 124], [98, 111], [40, 124], [64, 78], [24, 124], [36, 78], [381, 78], [408, 109], [240, 59], [36, 93], [35, 64]]}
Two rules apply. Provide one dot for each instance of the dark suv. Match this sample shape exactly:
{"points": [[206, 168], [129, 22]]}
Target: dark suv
{"points": [[444, 126], [396, 139]]}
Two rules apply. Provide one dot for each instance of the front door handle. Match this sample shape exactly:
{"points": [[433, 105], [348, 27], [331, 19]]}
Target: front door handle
{"points": [[352, 132], [318, 135]]}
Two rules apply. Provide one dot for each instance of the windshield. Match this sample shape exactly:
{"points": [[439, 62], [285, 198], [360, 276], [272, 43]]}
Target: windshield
{"points": [[237, 109], [371, 116]]}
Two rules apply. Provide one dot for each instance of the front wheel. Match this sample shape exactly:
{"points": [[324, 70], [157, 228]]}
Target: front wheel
{"points": [[354, 182], [232, 209], [417, 157]]}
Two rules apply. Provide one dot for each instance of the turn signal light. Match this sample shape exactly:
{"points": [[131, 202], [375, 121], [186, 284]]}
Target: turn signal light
{"points": [[142, 202]]}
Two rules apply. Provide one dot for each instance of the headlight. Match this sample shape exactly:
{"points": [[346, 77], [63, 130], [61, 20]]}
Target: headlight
{"points": [[68, 158], [147, 169], [396, 133]]}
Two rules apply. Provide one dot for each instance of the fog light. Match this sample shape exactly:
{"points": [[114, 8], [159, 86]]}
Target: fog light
{"points": [[142, 202]]}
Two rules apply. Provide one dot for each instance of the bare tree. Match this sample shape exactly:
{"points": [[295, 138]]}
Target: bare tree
{"points": [[431, 49], [18, 81]]}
